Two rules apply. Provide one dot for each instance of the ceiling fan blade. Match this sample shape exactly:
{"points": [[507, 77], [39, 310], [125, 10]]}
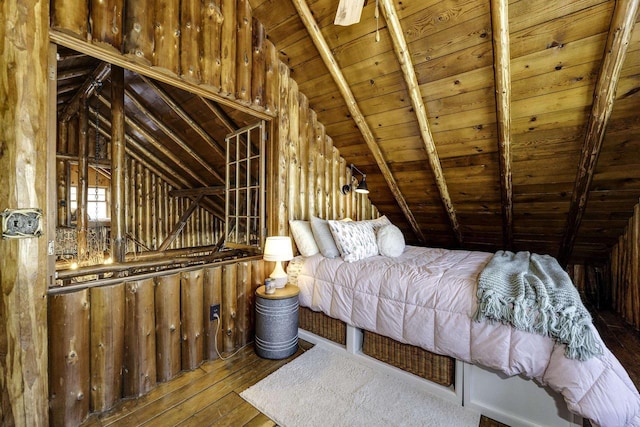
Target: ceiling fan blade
{"points": [[349, 12]]}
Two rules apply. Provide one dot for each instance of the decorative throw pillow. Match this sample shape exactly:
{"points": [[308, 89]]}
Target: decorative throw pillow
{"points": [[324, 239], [355, 240], [303, 236], [378, 223], [390, 241]]}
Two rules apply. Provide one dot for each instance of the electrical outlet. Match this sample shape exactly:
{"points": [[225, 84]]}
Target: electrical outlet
{"points": [[214, 310]]}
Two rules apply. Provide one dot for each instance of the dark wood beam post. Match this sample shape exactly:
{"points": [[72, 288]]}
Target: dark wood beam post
{"points": [[624, 18], [23, 174], [502, 73], [118, 165]]}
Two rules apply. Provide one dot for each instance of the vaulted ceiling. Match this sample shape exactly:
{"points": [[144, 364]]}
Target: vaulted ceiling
{"points": [[480, 124]]}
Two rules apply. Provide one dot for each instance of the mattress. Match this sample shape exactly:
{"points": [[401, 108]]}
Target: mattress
{"points": [[427, 298]]}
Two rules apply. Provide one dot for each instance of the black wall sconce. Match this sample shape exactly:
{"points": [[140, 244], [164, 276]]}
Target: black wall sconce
{"points": [[357, 186]]}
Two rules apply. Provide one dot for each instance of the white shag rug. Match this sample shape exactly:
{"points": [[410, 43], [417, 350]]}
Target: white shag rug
{"points": [[325, 388]]}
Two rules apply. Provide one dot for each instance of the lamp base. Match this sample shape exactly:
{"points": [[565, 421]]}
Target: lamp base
{"points": [[279, 276], [280, 282]]}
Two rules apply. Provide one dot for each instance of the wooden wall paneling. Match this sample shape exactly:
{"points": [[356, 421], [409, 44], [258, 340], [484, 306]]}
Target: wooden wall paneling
{"points": [[258, 275], [167, 311], [229, 307], [147, 221], [139, 196], [70, 15], [303, 155], [258, 70], [130, 198], [293, 163], [166, 37], [211, 35], [334, 191], [69, 356], [244, 52], [191, 286], [106, 17], [153, 213], [272, 78], [138, 29], [312, 153], [140, 338], [82, 220], [244, 302], [279, 173], [328, 185], [212, 295], [166, 201], [321, 195], [63, 203], [228, 48], [190, 41], [613, 274], [118, 165], [635, 262], [342, 179], [107, 345]]}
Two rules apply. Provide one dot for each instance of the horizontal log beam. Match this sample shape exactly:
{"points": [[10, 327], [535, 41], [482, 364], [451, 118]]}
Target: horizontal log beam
{"points": [[194, 192]]}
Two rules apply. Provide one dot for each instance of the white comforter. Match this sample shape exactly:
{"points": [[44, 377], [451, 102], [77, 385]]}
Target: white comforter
{"points": [[427, 298]]}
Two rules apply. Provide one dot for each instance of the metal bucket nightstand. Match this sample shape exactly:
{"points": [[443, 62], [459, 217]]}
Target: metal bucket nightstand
{"points": [[277, 322]]}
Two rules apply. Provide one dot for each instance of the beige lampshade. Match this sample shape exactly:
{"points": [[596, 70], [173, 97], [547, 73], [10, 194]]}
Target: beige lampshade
{"points": [[278, 248]]}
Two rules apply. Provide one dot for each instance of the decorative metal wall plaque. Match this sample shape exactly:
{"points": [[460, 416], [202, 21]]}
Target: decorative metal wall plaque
{"points": [[21, 223]]}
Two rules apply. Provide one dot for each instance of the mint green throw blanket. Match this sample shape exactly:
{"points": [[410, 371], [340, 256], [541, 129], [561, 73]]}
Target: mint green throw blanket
{"points": [[533, 293]]}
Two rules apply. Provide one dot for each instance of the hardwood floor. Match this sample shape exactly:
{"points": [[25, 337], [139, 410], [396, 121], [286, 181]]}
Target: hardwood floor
{"points": [[209, 395]]}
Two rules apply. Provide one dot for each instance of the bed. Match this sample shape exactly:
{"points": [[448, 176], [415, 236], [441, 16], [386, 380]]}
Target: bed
{"points": [[426, 297]]}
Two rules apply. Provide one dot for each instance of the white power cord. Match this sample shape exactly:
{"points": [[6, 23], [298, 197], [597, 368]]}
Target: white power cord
{"points": [[215, 341]]}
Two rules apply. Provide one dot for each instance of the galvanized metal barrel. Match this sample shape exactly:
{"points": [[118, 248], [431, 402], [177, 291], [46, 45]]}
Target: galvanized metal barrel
{"points": [[276, 335]]}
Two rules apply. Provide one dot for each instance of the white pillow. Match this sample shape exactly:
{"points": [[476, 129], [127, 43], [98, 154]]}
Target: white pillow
{"points": [[303, 236], [390, 241], [378, 223], [355, 240], [323, 237]]}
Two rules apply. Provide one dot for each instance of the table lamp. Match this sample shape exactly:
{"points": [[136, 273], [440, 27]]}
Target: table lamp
{"points": [[278, 249]]}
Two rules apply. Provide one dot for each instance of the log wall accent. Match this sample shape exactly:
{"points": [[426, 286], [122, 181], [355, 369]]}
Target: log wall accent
{"points": [[118, 341], [624, 266], [107, 345], [23, 174], [167, 307]]}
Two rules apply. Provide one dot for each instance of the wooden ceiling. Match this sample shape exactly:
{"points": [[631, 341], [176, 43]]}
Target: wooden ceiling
{"points": [[480, 124], [507, 90]]}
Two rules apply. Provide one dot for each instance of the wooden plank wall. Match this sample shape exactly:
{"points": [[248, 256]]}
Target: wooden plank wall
{"points": [[122, 340], [624, 266]]}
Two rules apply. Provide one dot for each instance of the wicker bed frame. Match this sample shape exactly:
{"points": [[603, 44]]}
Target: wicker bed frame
{"points": [[433, 367]]}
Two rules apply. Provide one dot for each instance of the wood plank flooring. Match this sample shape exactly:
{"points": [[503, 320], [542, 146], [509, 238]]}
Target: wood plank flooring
{"points": [[209, 395]]}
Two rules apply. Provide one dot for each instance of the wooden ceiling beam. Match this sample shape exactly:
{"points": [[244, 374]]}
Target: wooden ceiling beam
{"points": [[172, 135], [185, 116], [502, 77], [604, 95], [330, 62], [88, 88], [157, 145], [404, 58], [204, 191], [227, 122]]}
